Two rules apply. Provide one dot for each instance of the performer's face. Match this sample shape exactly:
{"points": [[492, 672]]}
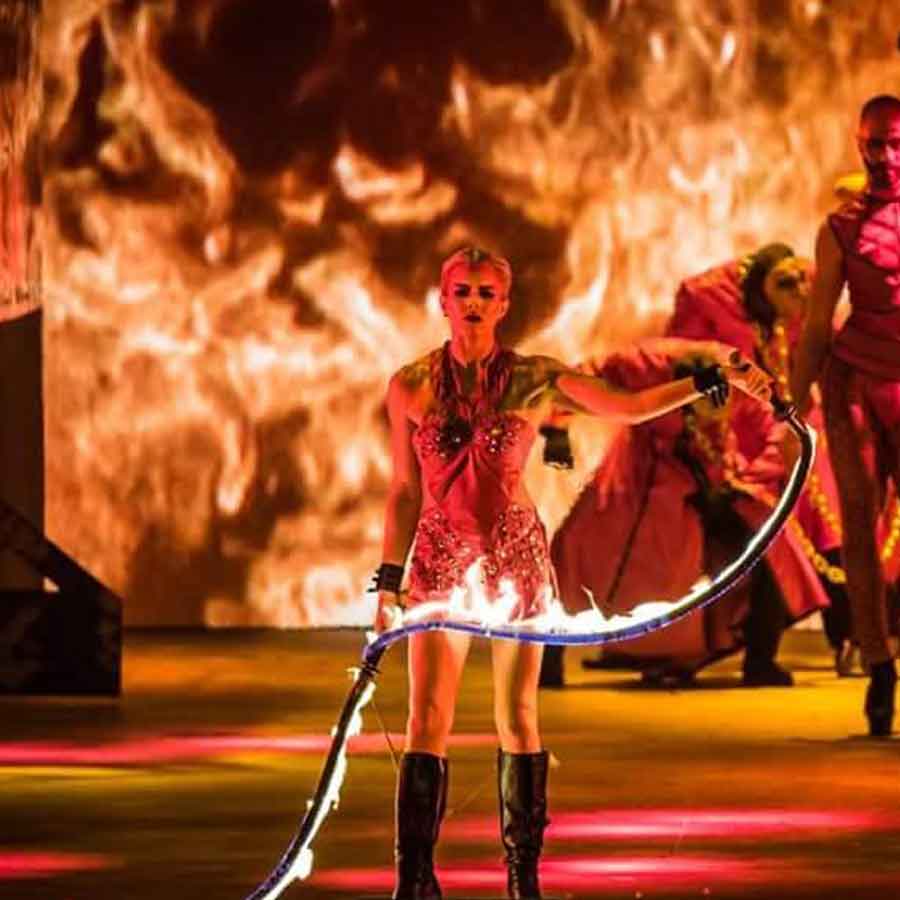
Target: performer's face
{"points": [[474, 299], [787, 287], [879, 144]]}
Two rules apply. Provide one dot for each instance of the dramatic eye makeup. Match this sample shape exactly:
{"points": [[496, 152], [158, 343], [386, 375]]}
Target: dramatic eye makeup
{"points": [[485, 291]]}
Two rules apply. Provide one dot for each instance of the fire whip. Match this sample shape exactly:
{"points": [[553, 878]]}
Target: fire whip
{"points": [[296, 862]]}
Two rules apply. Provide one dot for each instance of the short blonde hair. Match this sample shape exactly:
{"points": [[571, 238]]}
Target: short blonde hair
{"points": [[473, 258]]}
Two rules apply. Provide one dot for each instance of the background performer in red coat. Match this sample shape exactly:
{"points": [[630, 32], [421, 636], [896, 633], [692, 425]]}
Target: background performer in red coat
{"points": [[677, 498]]}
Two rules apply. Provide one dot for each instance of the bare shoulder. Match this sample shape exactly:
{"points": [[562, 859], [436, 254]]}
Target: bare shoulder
{"points": [[826, 228], [828, 247], [413, 375], [533, 379], [538, 369], [409, 385]]}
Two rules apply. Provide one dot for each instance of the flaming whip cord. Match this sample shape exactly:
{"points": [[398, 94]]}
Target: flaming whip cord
{"points": [[296, 862]]}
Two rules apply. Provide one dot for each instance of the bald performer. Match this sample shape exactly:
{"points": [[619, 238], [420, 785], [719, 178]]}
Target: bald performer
{"points": [[859, 246]]}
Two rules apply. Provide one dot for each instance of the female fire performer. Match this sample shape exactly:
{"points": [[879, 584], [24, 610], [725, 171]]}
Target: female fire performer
{"points": [[463, 419]]}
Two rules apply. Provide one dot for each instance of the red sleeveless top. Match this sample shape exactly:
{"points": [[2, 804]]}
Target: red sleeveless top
{"points": [[868, 232]]}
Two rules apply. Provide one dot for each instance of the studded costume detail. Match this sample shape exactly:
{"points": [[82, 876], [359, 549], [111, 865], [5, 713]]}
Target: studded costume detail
{"points": [[472, 454], [516, 551]]}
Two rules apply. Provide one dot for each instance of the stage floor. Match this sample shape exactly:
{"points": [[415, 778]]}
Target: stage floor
{"points": [[191, 785]]}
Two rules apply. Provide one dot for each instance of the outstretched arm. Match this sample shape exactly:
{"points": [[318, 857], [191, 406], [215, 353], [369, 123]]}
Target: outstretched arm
{"points": [[594, 395], [817, 332], [681, 347]]}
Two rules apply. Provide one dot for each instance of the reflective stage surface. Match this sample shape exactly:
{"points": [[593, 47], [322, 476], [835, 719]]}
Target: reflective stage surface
{"points": [[191, 785]]}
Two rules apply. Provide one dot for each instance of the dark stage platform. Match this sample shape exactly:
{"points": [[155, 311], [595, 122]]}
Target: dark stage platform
{"points": [[191, 784]]}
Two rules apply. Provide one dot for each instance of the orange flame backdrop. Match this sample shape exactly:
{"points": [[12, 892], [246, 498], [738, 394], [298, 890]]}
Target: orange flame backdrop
{"points": [[247, 201]]}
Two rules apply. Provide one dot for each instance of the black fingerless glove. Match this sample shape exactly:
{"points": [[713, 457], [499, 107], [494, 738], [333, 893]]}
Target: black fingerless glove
{"points": [[710, 382], [388, 577]]}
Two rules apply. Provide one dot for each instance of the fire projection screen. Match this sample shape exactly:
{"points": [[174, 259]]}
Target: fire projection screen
{"points": [[246, 207]]}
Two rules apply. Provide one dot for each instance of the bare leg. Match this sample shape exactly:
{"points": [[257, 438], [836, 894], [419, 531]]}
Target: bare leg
{"points": [[517, 666], [436, 660], [521, 764]]}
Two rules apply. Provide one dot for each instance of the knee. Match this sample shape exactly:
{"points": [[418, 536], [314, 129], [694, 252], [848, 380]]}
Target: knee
{"points": [[429, 722], [517, 726]]}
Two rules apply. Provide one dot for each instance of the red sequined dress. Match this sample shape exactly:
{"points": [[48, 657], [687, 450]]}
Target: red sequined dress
{"points": [[471, 454]]}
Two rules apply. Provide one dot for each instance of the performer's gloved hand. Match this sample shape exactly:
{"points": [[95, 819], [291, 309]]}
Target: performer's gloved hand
{"points": [[712, 383], [557, 448]]}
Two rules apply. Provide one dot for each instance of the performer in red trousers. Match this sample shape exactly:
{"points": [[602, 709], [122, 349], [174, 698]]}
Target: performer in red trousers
{"points": [[859, 246]]}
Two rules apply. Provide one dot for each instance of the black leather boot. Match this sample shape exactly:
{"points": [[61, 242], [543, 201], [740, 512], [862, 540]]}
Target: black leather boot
{"points": [[522, 783], [880, 698], [421, 803]]}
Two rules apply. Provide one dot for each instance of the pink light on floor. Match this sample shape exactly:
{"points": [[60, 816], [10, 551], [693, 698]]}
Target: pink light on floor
{"points": [[15, 865], [155, 749], [589, 875], [666, 824], [569, 873], [475, 877], [652, 871], [719, 873]]}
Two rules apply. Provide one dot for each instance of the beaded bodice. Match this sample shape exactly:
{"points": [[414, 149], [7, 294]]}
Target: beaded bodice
{"points": [[472, 453], [499, 435]]}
